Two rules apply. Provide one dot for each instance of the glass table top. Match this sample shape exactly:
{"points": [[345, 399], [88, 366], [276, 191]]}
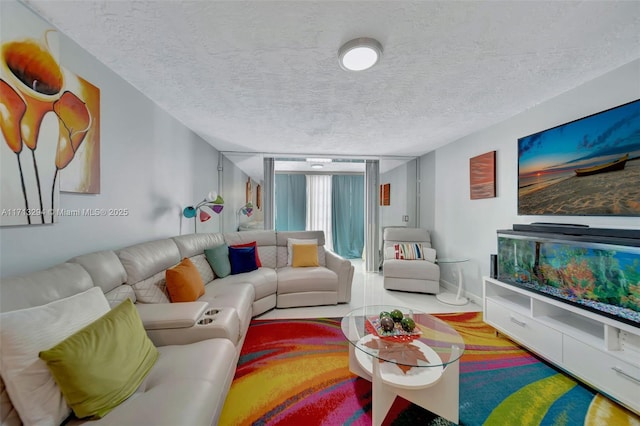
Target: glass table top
{"points": [[432, 343], [453, 260]]}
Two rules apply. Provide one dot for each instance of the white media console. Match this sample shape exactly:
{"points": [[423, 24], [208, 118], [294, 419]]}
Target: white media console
{"points": [[600, 351]]}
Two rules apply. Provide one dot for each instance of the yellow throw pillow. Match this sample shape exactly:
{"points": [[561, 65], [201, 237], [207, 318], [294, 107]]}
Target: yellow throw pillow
{"points": [[304, 255], [101, 365], [184, 282]]}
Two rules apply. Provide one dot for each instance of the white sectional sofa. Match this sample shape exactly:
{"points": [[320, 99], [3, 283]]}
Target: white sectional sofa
{"points": [[198, 342]]}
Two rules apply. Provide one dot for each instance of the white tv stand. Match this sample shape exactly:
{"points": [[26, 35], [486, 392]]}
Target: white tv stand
{"points": [[598, 350]]}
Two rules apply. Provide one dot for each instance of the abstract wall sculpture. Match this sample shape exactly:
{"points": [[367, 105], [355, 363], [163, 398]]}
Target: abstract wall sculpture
{"points": [[49, 119]]}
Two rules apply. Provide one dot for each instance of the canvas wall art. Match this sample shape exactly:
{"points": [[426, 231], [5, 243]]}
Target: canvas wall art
{"points": [[82, 174], [590, 166], [385, 194], [482, 176], [48, 114]]}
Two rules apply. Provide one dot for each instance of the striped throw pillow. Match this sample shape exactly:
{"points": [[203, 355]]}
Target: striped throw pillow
{"points": [[409, 251]]}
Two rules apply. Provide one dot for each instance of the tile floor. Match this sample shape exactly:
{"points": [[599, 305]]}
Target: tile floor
{"points": [[367, 289]]}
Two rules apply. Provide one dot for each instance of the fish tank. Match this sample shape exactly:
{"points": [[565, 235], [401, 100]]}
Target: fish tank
{"points": [[602, 277]]}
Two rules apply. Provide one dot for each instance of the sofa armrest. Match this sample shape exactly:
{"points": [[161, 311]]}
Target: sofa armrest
{"points": [[189, 322], [344, 269], [161, 316]]}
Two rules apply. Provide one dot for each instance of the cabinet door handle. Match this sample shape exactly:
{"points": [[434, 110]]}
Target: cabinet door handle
{"points": [[625, 374], [518, 322]]}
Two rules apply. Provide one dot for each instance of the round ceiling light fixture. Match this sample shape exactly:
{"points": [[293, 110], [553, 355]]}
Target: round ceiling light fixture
{"points": [[359, 54]]}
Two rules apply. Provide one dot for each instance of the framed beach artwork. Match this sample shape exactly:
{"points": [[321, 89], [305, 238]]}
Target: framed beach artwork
{"points": [[588, 167], [482, 176]]}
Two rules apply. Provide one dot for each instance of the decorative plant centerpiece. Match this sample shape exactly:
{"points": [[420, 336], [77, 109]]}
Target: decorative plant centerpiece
{"points": [[394, 324]]}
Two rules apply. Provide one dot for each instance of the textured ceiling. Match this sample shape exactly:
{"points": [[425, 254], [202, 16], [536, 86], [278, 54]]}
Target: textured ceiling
{"points": [[261, 76]]}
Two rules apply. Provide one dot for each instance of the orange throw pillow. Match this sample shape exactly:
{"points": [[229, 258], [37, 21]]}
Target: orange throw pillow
{"points": [[251, 244], [184, 282]]}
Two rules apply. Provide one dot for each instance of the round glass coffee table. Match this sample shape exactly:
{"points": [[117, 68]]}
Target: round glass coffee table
{"points": [[421, 366]]}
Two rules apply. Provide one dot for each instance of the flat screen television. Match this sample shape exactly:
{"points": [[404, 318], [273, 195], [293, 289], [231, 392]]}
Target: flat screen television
{"points": [[588, 167]]}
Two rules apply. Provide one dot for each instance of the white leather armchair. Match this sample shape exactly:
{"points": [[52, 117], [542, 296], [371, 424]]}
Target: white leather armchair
{"points": [[423, 275]]}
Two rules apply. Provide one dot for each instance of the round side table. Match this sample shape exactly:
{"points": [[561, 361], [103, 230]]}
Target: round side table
{"points": [[454, 298]]}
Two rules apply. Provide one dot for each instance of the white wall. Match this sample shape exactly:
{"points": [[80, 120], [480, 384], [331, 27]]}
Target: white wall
{"points": [[234, 184], [151, 165], [427, 191], [464, 227], [403, 200]]}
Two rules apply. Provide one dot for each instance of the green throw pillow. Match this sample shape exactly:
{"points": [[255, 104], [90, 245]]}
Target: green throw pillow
{"points": [[104, 363], [218, 258]]}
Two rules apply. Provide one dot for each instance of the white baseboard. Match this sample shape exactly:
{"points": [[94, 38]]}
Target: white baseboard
{"points": [[453, 288]]}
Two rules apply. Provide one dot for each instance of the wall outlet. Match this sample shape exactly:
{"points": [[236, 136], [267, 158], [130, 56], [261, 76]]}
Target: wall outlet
{"points": [[405, 218]]}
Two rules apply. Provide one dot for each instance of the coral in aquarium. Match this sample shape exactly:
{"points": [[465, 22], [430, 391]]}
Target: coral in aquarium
{"points": [[601, 279], [632, 300], [577, 280]]}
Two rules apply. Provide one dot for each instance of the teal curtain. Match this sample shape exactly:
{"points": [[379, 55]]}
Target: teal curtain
{"points": [[348, 215], [290, 202]]}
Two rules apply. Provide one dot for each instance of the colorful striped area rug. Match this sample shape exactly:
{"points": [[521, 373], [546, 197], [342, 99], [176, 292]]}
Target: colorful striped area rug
{"points": [[295, 372]]}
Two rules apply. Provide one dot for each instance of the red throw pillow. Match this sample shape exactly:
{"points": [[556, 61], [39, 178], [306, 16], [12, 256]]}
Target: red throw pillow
{"points": [[251, 244]]}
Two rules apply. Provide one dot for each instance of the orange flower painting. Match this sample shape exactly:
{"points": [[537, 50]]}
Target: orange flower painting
{"points": [[49, 122], [82, 174]]}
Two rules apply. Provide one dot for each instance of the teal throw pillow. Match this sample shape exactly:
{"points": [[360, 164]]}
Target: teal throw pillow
{"points": [[218, 258]]}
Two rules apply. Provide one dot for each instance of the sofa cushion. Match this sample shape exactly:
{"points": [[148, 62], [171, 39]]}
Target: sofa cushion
{"points": [[152, 289], [101, 365], [299, 280], [304, 255], [424, 270], [25, 333], [145, 260], [105, 269], [119, 294], [42, 287], [218, 258], [204, 268], [400, 234], [194, 244], [297, 241], [282, 239], [187, 386], [266, 244], [237, 295], [263, 280], [255, 246], [184, 282], [242, 259]]}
